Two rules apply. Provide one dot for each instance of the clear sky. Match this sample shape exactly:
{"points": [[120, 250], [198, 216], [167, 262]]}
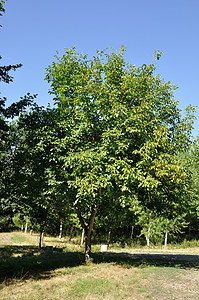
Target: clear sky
{"points": [[34, 30]]}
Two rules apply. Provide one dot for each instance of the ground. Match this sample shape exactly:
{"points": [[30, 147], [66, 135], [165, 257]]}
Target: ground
{"points": [[27, 273]]}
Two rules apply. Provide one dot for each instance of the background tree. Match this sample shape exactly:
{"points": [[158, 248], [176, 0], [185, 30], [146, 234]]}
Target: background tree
{"points": [[190, 161], [33, 166], [8, 142]]}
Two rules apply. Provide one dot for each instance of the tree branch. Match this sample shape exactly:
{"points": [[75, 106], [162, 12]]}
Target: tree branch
{"points": [[92, 218], [80, 217]]}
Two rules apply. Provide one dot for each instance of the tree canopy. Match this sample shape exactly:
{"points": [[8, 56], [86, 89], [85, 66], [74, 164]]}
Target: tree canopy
{"points": [[122, 127]]}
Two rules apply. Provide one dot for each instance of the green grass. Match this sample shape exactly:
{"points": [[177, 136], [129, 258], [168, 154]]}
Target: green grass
{"points": [[19, 239], [27, 273]]}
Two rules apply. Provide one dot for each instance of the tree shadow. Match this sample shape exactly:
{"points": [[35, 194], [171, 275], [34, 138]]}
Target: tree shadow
{"points": [[24, 262], [32, 263], [144, 260], [8, 250]]}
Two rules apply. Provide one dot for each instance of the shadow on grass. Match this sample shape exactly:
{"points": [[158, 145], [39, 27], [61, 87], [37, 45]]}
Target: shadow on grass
{"points": [[145, 260], [36, 264], [7, 251], [33, 263]]}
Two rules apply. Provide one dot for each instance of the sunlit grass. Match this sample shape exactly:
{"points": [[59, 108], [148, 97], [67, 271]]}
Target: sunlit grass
{"points": [[20, 238]]}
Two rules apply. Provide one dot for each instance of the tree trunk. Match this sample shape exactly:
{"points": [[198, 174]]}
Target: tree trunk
{"points": [[26, 227], [41, 237], [71, 232], [82, 238], [148, 233], [109, 237], [22, 227], [147, 237], [60, 230], [87, 246], [189, 233], [87, 229], [74, 231], [165, 239], [132, 228], [40, 240], [88, 233]]}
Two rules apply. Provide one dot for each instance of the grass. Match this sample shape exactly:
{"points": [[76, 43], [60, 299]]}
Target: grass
{"points": [[27, 273]]}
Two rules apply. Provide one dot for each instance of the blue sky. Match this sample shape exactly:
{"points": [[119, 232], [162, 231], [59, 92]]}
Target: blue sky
{"points": [[34, 30]]}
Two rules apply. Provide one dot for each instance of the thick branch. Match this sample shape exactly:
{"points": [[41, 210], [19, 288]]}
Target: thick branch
{"points": [[80, 217], [88, 229], [100, 190], [92, 218]]}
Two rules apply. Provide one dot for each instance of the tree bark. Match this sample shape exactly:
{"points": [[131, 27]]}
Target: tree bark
{"points": [[132, 228], [109, 237], [41, 238], [87, 229], [148, 233], [88, 233], [147, 237], [189, 233], [82, 238], [71, 232], [26, 227], [165, 239], [87, 246], [60, 230]]}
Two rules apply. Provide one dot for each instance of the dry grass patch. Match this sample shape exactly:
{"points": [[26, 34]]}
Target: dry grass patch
{"points": [[172, 283]]}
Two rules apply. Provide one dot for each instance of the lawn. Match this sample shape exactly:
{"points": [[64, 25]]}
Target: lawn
{"points": [[27, 273]]}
